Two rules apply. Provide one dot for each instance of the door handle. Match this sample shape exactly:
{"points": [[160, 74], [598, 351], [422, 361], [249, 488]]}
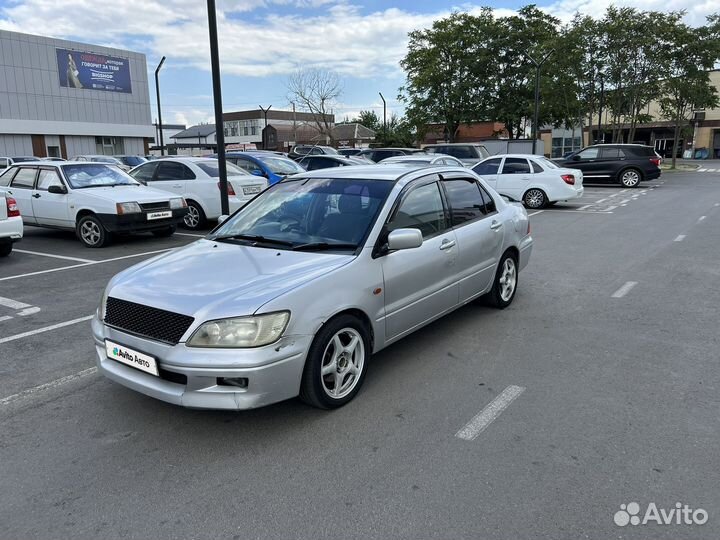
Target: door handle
{"points": [[36, 195], [495, 225], [447, 244], [177, 185]]}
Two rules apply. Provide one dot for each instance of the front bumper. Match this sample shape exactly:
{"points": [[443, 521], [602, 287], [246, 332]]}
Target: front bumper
{"points": [[190, 376], [140, 222]]}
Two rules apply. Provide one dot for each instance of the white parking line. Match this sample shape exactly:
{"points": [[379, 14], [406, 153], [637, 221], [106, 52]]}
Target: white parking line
{"points": [[584, 207], [622, 291], [702, 170], [47, 386], [13, 304], [84, 264], [190, 234], [536, 213], [76, 259], [5, 318], [491, 411], [45, 329], [701, 218], [680, 238], [601, 201]]}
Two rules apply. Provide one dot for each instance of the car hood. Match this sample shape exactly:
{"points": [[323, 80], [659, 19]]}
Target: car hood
{"points": [[213, 280], [140, 194]]}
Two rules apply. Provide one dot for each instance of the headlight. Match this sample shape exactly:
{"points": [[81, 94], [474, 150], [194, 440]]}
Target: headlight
{"points": [[241, 332], [128, 208], [103, 304], [177, 203]]}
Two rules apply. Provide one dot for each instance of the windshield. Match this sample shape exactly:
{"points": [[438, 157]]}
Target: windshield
{"points": [[105, 159], [212, 169], [547, 163], [308, 213], [95, 175], [282, 166]]}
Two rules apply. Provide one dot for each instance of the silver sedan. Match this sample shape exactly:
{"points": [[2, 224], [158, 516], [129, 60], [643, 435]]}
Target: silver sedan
{"points": [[293, 293]]}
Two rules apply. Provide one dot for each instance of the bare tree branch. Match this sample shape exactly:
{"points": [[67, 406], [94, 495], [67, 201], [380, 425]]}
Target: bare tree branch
{"points": [[316, 91]]}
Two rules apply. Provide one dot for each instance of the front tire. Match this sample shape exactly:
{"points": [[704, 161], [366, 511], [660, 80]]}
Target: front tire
{"points": [[91, 232], [5, 249], [165, 232], [535, 198], [336, 363], [505, 284], [630, 178], [195, 217]]}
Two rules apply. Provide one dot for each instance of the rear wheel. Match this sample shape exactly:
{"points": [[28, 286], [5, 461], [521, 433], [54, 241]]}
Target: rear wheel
{"points": [[91, 232], [506, 278], [5, 249], [630, 178], [164, 233], [534, 198], [195, 217], [336, 363]]}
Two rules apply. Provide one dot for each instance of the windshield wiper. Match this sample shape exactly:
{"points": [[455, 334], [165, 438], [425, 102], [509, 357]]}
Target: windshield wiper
{"points": [[321, 246], [254, 238]]}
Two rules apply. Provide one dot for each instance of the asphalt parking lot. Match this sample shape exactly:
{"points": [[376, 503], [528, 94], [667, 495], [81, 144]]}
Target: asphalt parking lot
{"points": [[597, 387]]}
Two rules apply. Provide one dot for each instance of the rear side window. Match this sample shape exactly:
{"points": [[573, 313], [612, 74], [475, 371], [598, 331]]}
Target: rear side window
{"points": [[488, 200], [535, 167], [25, 178], [611, 153], [421, 209], [460, 152], [172, 170], [515, 166], [466, 201], [490, 166]]}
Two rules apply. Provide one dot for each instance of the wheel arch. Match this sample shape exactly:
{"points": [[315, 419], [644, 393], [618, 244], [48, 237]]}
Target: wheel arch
{"points": [[618, 176], [357, 313]]}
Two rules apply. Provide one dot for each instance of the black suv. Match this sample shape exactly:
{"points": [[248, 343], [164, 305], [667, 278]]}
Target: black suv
{"points": [[627, 164], [378, 154]]}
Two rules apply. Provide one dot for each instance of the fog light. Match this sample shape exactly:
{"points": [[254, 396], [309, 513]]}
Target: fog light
{"points": [[240, 382]]}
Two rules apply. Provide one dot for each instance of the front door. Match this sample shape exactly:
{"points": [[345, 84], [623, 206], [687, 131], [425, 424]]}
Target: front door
{"points": [[21, 188], [50, 208], [171, 176], [588, 161], [488, 170], [514, 178], [420, 283]]}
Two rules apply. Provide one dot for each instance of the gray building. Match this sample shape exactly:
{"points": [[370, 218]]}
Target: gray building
{"points": [[61, 98]]}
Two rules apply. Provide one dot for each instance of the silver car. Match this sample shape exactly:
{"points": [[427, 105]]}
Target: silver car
{"points": [[293, 293]]}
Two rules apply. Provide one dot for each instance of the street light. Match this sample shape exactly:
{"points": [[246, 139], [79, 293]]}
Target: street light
{"points": [[217, 95], [536, 114], [157, 90], [265, 111], [384, 113]]}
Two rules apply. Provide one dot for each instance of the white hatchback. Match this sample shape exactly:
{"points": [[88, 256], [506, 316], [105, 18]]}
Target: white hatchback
{"points": [[197, 179], [94, 199], [534, 180]]}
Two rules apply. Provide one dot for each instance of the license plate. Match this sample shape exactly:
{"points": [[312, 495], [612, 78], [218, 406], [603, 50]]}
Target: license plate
{"points": [[130, 357], [251, 190], [159, 215]]}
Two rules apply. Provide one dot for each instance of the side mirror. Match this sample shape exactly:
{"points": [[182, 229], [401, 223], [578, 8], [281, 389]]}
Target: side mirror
{"points": [[404, 239], [222, 219], [575, 157], [58, 190], [257, 172]]}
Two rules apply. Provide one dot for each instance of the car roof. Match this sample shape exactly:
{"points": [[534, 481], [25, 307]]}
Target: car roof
{"points": [[455, 144], [392, 172], [48, 162], [512, 155], [191, 159]]}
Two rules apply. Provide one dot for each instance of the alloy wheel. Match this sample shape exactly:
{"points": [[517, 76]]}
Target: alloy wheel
{"points": [[192, 218], [90, 232], [508, 279], [342, 363], [630, 178], [534, 198]]}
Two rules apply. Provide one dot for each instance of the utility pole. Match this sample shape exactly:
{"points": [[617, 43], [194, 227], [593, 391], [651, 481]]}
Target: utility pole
{"points": [[601, 138], [536, 114], [384, 114], [294, 124], [217, 95], [264, 135], [157, 91]]}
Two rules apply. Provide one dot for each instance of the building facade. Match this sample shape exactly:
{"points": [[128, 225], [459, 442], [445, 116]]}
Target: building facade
{"points": [[61, 98], [246, 127]]}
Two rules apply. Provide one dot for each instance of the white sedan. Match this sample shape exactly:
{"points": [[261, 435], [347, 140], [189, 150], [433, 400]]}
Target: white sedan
{"points": [[11, 225], [197, 180], [534, 180]]}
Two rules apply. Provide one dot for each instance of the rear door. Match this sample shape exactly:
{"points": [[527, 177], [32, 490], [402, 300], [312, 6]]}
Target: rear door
{"points": [[420, 283], [173, 177], [479, 234], [610, 161], [514, 177], [489, 170], [50, 208], [21, 188]]}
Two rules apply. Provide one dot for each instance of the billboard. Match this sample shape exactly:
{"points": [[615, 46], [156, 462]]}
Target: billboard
{"points": [[93, 71]]}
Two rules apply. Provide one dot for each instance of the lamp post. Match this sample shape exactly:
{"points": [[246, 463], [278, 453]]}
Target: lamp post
{"points": [[601, 138], [217, 95], [536, 114], [157, 91], [384, 114], [265, 111]]}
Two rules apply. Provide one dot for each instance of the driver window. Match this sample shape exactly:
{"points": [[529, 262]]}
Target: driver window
{"points": [[422, 209], [588, 153], [47, 178]]}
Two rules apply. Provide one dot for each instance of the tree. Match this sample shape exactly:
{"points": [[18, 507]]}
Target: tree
{"points": [[690, 54], [447, 72], [316, 91], [370, 120]]}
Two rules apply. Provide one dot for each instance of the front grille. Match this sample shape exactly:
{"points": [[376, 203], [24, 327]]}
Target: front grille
{"points": [[155, 206], [146, 321]]}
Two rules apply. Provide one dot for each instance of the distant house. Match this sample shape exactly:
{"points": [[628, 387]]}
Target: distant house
{"points": [[475, 132], [246, 127], [353, 135], [195, 140]]}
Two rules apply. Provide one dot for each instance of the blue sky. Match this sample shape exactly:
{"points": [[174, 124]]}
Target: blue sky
{"points": [[263, 41]]}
